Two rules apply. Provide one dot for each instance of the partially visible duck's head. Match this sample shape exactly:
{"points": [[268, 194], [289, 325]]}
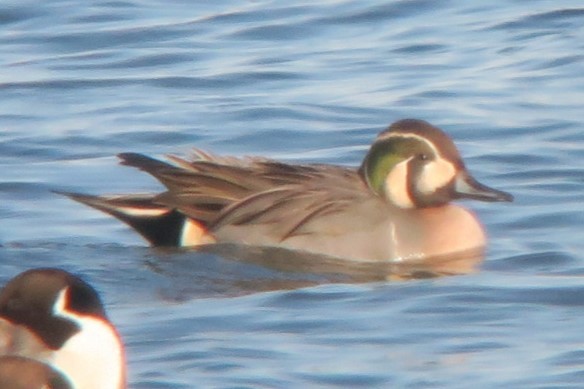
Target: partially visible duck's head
{"points": [[413, 164], [65, 314]]}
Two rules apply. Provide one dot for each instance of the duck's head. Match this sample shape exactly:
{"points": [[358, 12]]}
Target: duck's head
{"points": [[66, 314], [413, 164], [33, 298]]}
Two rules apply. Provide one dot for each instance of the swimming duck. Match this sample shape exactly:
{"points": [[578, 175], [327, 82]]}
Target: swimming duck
{"points": [[55, 318], [395, 206]]}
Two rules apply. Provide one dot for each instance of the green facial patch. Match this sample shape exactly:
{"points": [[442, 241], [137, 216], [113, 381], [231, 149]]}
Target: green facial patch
{"points": [[385, 154]]}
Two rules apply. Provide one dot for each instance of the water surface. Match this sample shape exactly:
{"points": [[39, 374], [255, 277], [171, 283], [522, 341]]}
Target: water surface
{"points": [[303, 82]]}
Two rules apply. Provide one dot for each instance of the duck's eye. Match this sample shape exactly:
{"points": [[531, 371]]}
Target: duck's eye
{"points": [[422, 156]]}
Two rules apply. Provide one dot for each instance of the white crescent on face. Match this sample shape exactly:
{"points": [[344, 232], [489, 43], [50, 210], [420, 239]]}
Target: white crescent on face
{"points": [[396, 185]]}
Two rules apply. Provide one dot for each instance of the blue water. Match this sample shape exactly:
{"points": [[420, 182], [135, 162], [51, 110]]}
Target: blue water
{"points": [[304, 81]]}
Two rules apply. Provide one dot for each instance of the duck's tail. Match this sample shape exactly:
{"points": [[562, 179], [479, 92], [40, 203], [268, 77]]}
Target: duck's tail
{"points": [[158, 224]]}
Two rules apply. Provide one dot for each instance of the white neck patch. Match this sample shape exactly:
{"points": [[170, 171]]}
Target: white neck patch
{"points": [[92, 358]]}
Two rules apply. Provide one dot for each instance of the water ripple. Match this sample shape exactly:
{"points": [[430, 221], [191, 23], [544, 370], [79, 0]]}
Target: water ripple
{"points": [[304, 82]]}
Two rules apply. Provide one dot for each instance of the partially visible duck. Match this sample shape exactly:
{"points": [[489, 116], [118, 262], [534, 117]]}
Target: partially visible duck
{"points": [[56, 318], [25, 373]]}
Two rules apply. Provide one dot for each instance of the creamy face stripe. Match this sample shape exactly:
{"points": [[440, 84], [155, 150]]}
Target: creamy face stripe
{"points": [[412, 136]]}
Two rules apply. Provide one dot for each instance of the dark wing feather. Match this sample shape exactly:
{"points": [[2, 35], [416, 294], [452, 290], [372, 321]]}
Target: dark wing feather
{"points": [[290, 210], [227, 190]]}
